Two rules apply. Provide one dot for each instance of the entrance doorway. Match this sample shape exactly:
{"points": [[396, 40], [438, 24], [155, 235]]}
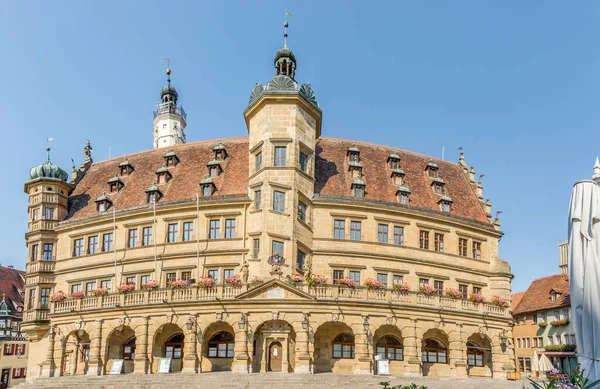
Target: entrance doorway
{"points": [[275, 357], [4, 378]]}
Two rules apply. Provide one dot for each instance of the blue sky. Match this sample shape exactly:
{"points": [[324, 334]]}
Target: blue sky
{"points": [[515, 83]]}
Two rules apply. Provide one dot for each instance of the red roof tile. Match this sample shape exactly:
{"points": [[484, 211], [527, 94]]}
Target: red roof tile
{"points": [[538, 297], [516, 299], [332, 177], [11, 282]]}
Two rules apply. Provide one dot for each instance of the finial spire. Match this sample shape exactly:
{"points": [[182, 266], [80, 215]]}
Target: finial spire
{"points": [[48, 152], [168, 70], [596, 176], [285, 35]]}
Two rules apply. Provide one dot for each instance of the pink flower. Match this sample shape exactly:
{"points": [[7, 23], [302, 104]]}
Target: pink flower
{"points": [[59, 296], [206, 282], [234, 280], [454, 293], [318, 279], [347, 281], [179, 283], [477, 298], [127, 287], [296, 277], [427, 289], [401, 287], [500, 301], [78, 294], [152, 284], [374, 284]]}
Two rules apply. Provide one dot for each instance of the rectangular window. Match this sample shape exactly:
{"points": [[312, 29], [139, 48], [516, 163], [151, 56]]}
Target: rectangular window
{"points": [[34, 252], [89, 287], [35, 214], [107, 242], [257, 197], [439, 285], [227, 273], [78, 247], [399, 236], [424, 240], [518, 342], [382, 233], [383, 278], [278, 201], [541, 342], [339, 228], [186, 275], [258, 160], [476, 290], [338, 275], [255, 248], [303, 162], [188, 231], [130, 280], [48, 251], [277, 247], [105, 284], [280, 152], [464, 289], [477, 250], [355, 230], [171, 276], [44, 297], [301, 211], [462, 247], [133, 238], [550, 339], [229, 228], [146, 236], [76, 288], [49, 213], [439, 242], [423, 281], [214, 274], [32, 298], [535, 319], [396, 279], [565, 314], [355, 275], [558, 337], [93, 244], [214, 232], [300, 258], [144, 279], [172, 232], [573, 339]]}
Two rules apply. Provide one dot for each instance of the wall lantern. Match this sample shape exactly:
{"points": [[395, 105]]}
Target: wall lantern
{"points": [[242, 322], [366, 324], [503, 338], [190, 323], [305, 322]]}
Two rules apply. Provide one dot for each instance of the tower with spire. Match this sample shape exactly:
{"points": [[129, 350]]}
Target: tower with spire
{"points": [[169, 118]]}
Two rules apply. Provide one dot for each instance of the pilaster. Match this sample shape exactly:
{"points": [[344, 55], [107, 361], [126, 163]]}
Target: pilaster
{"points": [[457, 356], [49, 365], [190, 361], [302, 353], [411, 350], [95, 362], [141, 362], [241, 362]]}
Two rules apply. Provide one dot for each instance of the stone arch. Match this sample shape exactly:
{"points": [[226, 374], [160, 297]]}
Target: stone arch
{"points": [[324, 338], [266, 333], [215, 334], [168, 342], [435, 353], [479, 355], [75, 353], [120, 344], [389, 343]]}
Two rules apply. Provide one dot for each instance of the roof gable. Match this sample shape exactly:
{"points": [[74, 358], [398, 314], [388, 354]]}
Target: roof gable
{"points": [[274, 289], [538, 296]]}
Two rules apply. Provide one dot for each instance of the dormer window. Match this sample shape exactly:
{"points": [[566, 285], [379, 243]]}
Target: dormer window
{"points": [[125, 168], [103, 203], [394, 161], [358, 188], [438, 185], [554, 295], [208, 187], [355, 169], [354, 154], [214, 168], [431, 169], [219, 152], [163, 175], [115, 184], [171, 158], [403, 194], [397, 176], [154, 195], [445, 203]]}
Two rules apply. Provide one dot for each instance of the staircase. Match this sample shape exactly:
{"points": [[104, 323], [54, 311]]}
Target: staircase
{"points": [[229, 380]]}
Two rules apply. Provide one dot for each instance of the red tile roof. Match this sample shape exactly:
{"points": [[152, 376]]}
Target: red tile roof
{"points": [[538, 297], [11, 282], [516, 299], [332, 177]]}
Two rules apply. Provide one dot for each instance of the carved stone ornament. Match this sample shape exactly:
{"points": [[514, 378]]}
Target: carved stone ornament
{"points": [[79, 325], [275, 315], [282, 82], [307, 91], [256, 92], [219, 316], [389, 320], [335, 317]]}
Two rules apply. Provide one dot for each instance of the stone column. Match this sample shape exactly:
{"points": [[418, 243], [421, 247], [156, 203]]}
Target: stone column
{"points": [[362, 361], [189, 350], [302, 353], [241, 360], [48, 365], [411, 349], [74, 357], [95, 362], [285, 344], [457, 355], [140, 364]]}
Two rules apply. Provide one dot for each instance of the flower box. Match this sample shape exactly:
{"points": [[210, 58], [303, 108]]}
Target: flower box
{"points": [[100, 291], [256, 280], [401, 287], [179, 283], [77, 295], [427, 289], [372, 283], [559, 323], [234, 280], [346, 281], [206, 282], [317, 279], [477, 298], [127, 287], [500, 301], [296, 278], [454, 293], [561, 347], [150, 285], [59, 296], [542, 324]]}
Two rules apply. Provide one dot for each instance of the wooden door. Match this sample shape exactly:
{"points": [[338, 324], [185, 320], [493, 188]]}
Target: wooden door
{"points": [[275, 356], [4, 378]]}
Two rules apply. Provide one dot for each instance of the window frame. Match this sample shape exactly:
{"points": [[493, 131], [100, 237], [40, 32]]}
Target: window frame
{"points": [[147, 236], [355, 230], [339, 229], [172, 232], [382, 233], [188, 233], [424, 239], [279, 156], [107, 240], [438, 242], [345, 346], [278, 201], [78, 247], [214, 229], [229, 228], [93, 244]]}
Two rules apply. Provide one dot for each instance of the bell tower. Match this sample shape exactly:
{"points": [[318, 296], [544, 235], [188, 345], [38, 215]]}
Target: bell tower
{"points": [[169, 118]]}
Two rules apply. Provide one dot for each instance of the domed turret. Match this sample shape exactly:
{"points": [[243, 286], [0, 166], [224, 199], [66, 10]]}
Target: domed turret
{"points": [[48, 170], [169, 118], [285, 60]]}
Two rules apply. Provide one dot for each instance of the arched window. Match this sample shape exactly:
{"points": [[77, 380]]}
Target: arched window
{"points": [[221, 345], [433, 351], [129, 349], [389, 347], [173, 346], [343, 346], [474, 354]]}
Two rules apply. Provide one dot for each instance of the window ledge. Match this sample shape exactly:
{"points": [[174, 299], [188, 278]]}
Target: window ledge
{"points": [[255, 211], [279, 213]]}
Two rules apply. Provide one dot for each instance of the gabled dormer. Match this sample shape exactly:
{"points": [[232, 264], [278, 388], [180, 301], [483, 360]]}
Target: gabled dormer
{"points": [[445, 203], [358, 188], [163, 175], [214, 168], [355, 169], [353, 154], [171, 159], [153, 193], [431, 169], [403, 194], [103, 203], [438, 185], [115, 184], [397, 176], [394, 161], [555, 294], [219, 152], [125, 168], [208, 187]]}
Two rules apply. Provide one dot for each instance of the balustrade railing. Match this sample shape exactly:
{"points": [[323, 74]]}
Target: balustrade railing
{"points": [[36, 315], [42, 225], [40, 266], [319, 292]]}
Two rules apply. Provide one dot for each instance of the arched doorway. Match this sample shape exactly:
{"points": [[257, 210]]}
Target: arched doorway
{"points": [[120, 344], [218, 347], [75, 353], [434, 353], [334, 348], [388, 345], [168, 343], [275, 357], [273, 341], [479, 356]]}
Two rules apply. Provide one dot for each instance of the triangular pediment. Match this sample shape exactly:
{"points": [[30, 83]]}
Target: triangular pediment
{"points": [[274, 290]]}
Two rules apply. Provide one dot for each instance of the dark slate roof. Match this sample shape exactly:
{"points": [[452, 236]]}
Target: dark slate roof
{"points": [[538, 298]]}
